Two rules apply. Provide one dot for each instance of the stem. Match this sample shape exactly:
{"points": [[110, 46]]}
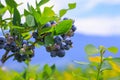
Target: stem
{"points": [[3, 59], [99, 67], [3, 32], [7, 58]]}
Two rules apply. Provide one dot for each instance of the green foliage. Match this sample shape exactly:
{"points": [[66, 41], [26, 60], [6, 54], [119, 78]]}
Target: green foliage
{"points": [[30, 20], [113, 49], [63, 27], [90, 49], [62, 12], [16, 17], [11, 3], [49, 40], [42, 2], [72, 5]]}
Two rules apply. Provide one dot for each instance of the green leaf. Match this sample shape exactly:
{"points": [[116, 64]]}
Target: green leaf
{"points": [[116, 60], [106, 66], [53, 67], [45, 30], [113, 49], [49, 40], [18, 27], [47, 69], [11, 3], [3, 10], [47, 15], [48, 12], [72, 5], [30, 20], [90, 49], [63, 27], [26, 12], [16, 17], [62, 12], [42, 2], [81, 63]]}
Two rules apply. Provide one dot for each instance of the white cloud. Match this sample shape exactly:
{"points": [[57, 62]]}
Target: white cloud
{"points": [[90, 4], [99, 26], [91, 25]]}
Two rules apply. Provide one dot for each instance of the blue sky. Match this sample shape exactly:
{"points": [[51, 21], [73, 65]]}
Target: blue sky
{"points": [[97, 21]]}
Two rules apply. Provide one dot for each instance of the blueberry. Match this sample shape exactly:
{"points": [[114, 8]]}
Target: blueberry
{"points": [[62, 45], [53, 53], [58, 40], [16, 49], [2, 40], [48, 24], [1, 46], [35, 35], [61, 53], [57, 47], [53, 22], [67, 47], [24, 42], [63, 36], [7, 47], [24, 57], [65, 18], [68, 41], [73, 28]]}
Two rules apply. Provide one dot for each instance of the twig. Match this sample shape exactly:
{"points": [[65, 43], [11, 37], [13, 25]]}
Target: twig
{"points": [[4, 57]]}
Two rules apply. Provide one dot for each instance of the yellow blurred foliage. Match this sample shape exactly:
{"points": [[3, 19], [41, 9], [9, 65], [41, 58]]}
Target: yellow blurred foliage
{"points": [[115, 66], [96, 59], [68, 76]]}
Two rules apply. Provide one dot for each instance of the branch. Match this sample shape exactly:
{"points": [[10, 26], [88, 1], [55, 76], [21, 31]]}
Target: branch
{"points": [[4, 57], [7, 58]]}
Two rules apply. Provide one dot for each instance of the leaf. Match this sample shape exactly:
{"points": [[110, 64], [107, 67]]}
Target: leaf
{"points": [[2, 10], [11, 3], [53, 67], [113, 49], [63, 27], [16, 17], [49, 40], [45, 30], [106, 66], [116, 60], [48, 12], [90, 49], [72, 5], [47, 69], [18, 27], [26, 12], [30, 20], [47, 15], [42, 2], [62, 12], [81, 63]]}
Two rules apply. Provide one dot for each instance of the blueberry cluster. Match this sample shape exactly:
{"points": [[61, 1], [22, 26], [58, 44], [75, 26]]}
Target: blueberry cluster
{"points": [[21, 52], [61, 43], [24, 49]]}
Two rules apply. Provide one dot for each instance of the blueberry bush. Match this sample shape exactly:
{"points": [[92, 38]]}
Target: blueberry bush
{"points": [[43, 28], [54, 32]]}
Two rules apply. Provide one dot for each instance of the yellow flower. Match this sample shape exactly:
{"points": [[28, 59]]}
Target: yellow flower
{"points": [[96, 59]]}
